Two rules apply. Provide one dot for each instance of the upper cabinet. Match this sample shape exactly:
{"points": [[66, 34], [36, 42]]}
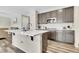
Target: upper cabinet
{"points": [[60, 16], [68, 14], [42, 18], [54, 14], [65, 15]]}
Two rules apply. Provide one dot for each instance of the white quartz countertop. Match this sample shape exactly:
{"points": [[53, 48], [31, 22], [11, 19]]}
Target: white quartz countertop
{"points": [[34, 32], [29, 33]]}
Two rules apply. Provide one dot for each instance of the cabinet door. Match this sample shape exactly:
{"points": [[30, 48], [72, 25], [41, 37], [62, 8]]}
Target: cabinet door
{"points": [[59, 35], [65, 36], [47, 15], [69, 36], [42, 18], [54, 14], [53, 35], [68, 14], [60, 16], [39, 19], [16, 40]]}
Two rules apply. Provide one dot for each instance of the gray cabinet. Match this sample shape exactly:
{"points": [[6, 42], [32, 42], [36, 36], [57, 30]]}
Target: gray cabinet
{"points": [[65, 36], [54, 14], [65, 15], [60, 16], [68, 15], [42, 18], [53, 35], [39, 18], [59, 36], [68, 36], [47, 15]]}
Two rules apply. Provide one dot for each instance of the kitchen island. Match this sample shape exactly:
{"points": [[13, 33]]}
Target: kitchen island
{"points": [[32, 41]]}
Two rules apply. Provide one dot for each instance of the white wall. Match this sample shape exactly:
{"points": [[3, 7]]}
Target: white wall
{"points": [[33, 20], [18, 23], [76, 23], [12, 16], [4, 22]]}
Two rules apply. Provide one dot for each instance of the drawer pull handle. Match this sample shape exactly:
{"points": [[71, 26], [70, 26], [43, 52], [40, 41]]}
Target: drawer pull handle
{"points": [[32, 38]]}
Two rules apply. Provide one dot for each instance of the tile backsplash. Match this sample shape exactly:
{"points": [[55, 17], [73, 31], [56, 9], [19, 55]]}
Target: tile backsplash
{"points": [[58, 26]]}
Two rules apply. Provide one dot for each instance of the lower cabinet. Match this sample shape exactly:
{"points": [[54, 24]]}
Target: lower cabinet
{"points": [[65, 36], [59, 36], [53, 35], [25, 43], [34, 44]]}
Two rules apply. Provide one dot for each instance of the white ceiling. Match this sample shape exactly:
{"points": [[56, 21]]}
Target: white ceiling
{"points": [[27, 9]]}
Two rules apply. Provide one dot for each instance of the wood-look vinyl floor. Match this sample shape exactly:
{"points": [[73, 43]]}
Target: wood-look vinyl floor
{"points": [[57, 47], [7, 47], [53, 47], [6, 44]]}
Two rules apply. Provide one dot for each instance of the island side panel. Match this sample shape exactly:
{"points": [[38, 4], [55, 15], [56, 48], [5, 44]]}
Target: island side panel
{"points": [[44, 42], [25, 43]]}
